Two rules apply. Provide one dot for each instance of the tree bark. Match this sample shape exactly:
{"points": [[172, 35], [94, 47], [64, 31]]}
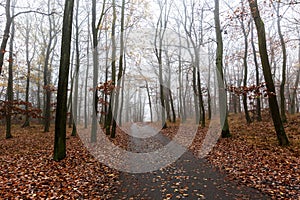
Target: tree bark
{"points": [[10, 92], [220, 78], [86, 77], [61, 109], [76, 77], [258, 106]]}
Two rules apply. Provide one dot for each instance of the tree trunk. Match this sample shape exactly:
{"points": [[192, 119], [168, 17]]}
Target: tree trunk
{"points": [[284, 60], [28, 62], [159, 35], [10, 92], [258, 106], [61, 109], [122, 89], [76, 77], [120, 72], [281, 135], [110, 117], [220, 78], [6, 33], [70, 99], [245, 96], [95, 28], [149, 99], [86, 80], [172, 106], [208, 85], [47, 77], [39, 91], [201, 103], [294, 93]]}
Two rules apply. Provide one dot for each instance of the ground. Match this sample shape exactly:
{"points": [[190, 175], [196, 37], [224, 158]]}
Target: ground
{"points": [[250, 162]]}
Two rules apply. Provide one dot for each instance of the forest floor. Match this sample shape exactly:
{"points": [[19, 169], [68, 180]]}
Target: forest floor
{"points": [[253, 157], [27, 170], [250, 158]]}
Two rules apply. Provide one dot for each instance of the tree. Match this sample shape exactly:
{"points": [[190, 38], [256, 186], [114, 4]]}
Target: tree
{"points": [[50, 44], [284, 60], [61, 108], [295, 88], [245, 34], [28, 62], [160, 31], [260, 27], [95, 29], [87, 73], [120, 72], [220, 77], [9, 20], [258, 106], [110, 116], [6, 33], [76, 73], [241, 17], [196, 40], [10, 92]]}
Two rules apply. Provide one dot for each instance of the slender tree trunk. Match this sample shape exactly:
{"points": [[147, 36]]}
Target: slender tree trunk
{"points": [[106, 80], [10, 92], [6, 33], [70, 99], [47, 78], [245, 96], [194, 82], [76, 72], [294, 93], [87, 74], [95, 28], [172, 106], [219, 62], [110, 117], [61, 109], [284, 60], [281, 135], [120, 72], [38, 95], [181, 111], [122, 89], [258, 106], [167, 104], [80, 102], [158, 43], [201, 102], [209, 85], [149, 99], [86, 84], [28, 62]]}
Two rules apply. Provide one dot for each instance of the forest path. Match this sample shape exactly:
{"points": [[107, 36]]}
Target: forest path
{"points": [[187, 178]]}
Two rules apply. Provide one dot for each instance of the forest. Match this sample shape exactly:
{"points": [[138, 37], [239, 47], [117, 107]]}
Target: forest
{"points": [[140, 99]]}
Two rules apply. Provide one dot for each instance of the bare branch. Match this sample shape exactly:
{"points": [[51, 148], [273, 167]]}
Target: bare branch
{"points": [[34, 11]]}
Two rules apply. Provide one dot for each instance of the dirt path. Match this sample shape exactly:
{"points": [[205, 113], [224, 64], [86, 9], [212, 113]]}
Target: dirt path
{"points": [[187, 178]]}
